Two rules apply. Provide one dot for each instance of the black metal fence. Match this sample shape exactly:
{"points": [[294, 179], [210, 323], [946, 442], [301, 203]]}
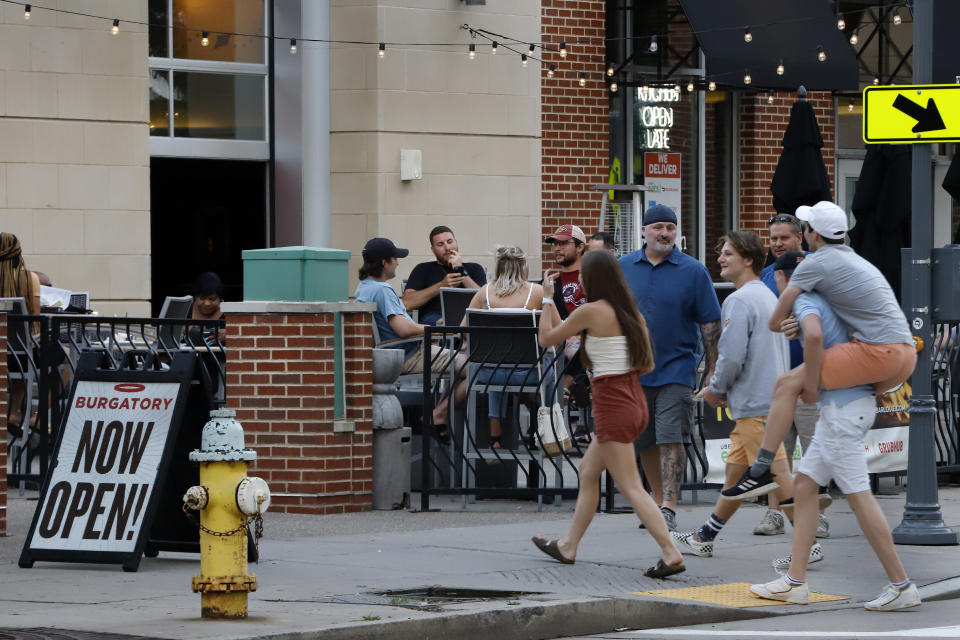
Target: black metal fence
{"points": [[946, 389], [42, 356]]}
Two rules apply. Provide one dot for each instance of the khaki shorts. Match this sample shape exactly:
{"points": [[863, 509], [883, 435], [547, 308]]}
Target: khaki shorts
{"points": [[439, 361], [849, 364], [745, 441]]}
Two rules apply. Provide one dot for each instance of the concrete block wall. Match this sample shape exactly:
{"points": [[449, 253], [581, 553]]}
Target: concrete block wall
{"points": [[575, 119], [74, 158], [280, 381]]}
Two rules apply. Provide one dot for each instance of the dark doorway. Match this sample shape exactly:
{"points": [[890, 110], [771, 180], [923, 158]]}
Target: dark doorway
{"points": [[203, 214]]}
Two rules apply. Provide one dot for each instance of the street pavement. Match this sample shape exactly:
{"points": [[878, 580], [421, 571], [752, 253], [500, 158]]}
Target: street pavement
{"points": [[369, 576]]}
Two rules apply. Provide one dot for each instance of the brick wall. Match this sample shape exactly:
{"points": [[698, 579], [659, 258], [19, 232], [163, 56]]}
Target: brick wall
{"points": [[3, 425], [575, 145], [280, 381], [762, 127]]}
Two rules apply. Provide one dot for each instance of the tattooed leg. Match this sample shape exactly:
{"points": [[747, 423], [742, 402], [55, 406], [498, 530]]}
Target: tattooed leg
{"points": [[672, 462]]}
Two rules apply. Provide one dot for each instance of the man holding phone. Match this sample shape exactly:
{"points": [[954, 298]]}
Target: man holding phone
{"points": [[448, 270]]}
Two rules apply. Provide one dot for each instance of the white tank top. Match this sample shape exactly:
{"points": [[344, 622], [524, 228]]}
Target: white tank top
{"points": [[610, 356], [486, 295]]}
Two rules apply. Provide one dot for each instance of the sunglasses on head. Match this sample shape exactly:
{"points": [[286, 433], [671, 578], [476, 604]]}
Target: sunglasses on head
{"points": [[783, 217]]}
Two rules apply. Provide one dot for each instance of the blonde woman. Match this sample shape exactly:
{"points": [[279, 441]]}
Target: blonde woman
{"points": [[508, 291]]}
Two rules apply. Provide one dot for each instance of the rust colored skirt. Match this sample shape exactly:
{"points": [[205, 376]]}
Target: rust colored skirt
{"points": [[619, 407]]}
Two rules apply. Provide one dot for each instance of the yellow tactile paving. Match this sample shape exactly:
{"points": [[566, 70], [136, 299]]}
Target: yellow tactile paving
{"points": [[735, 594]]}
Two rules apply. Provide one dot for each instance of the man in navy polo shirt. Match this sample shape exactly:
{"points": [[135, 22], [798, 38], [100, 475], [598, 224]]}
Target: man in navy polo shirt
{"points": [[676, 297]]}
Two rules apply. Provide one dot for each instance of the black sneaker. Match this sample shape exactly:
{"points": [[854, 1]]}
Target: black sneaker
{"points": [[749, 487]]}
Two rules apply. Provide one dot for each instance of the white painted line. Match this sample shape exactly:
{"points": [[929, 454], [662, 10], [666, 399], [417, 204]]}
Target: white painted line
{"points": [[930, 632]]}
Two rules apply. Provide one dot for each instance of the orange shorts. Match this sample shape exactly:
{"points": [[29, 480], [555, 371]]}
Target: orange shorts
{"points": [[849, 364], [745, 442]]}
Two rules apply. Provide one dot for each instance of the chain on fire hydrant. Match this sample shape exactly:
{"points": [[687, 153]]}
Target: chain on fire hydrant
{"points": [[225, 499]]}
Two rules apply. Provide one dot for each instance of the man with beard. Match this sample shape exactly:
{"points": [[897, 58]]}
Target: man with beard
{"points": [[676, 297], [448, 270], [569, 242]]}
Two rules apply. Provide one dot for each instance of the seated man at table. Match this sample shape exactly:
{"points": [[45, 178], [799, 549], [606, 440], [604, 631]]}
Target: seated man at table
{"points": [[448, 270], [394, 323]]}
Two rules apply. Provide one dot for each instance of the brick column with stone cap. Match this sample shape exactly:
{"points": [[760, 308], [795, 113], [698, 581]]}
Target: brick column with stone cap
{"points": [[281, 383]]}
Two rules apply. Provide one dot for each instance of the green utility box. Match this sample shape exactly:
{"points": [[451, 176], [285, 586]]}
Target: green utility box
{"points": [[296, 274]]}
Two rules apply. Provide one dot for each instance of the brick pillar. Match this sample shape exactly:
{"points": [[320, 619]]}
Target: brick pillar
{"points": [[280, 381], [575, 119], [762, 127], [3, 424]]}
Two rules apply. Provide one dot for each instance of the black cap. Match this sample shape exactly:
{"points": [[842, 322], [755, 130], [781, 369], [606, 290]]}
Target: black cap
{"points": [[659, 213], [382, 249], [208, 283], [789, 261]]}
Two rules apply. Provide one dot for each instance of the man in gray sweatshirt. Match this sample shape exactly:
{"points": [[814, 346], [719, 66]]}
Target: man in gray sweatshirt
{"points": [[750, 359]]}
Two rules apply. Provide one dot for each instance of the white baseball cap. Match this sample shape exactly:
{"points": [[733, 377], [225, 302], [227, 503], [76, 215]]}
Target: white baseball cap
{"points": [[826, 218]]}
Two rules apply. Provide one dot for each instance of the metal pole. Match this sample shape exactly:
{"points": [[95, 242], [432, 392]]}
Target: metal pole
{"points": [[922, 518]]}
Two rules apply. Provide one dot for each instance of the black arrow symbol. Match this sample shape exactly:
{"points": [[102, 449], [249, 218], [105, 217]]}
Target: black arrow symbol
{"points": [[928, 119]]}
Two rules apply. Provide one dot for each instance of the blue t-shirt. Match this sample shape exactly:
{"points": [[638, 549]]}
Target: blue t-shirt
{"points": [[388, 304], [834, 331], [675, 297], [796, 347]]}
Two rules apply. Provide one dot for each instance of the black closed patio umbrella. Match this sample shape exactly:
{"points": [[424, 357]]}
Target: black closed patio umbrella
{"points": [[882, 208], [951, 183], [801, 175]]}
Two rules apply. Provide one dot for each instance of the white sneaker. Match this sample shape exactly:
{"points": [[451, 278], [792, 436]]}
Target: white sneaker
{"points": [[891, 600], [771, 524], [781, 589], [816, 555], [687, 542], [823, 527]]}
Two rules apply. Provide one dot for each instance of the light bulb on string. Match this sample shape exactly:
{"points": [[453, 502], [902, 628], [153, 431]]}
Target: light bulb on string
{"points": [[690, 86], [523, 59], [613, 87], [770, 97], [532, 50], [115, 29], [677, 89], [747, 78], [712, 86], [293, 45], [654, 47], [876, 80], [493, 48], [382, 50], [563, 49], [897, 19], [550, 70], [747, 36], [26, 12], [841, 23], [780, 68], [610, 70], [204, 38], [855, 36], [850, 106], [472, 51], [821, 54], [583, 79]]}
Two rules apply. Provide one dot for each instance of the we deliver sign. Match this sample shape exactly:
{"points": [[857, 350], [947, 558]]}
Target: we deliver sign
{"points": [[106, 467]]}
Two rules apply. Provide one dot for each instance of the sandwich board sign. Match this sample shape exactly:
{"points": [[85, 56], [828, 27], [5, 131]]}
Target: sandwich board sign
{"points": [[112, 455]]}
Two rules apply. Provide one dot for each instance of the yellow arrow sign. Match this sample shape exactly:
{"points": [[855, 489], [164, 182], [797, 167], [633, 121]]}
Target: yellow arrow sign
{"points": [[912, 113]]}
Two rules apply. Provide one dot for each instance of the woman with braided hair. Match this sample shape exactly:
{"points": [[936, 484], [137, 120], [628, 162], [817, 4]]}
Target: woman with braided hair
{"points": [[16, 281]]}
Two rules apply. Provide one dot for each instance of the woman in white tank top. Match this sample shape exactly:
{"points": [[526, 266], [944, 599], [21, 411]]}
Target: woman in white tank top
{"points": [[510, 291], [617, 349]]}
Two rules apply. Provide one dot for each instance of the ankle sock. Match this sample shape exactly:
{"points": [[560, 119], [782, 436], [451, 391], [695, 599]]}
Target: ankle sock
{"points": [[902, 586], [793, 582], [762, 464], [710, 528]]}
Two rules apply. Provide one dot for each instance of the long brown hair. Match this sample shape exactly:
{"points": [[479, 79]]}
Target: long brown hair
{"points": [[602, 279], [15, 280]]}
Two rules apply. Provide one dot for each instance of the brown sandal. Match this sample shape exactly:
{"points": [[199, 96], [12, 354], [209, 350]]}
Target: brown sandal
{"points": [[551, 548], [662, 569]]}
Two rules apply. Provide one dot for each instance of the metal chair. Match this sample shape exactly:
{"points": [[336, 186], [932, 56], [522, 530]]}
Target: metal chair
{"points": [[453, 304], [169, 335]]}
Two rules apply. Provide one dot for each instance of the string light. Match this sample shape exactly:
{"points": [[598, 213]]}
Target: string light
{"points": [[676, 88], [613, 87], [550, 70], [654, 47], [690, 86], [712, 86], [563, 49], [610, 70], [896, 15], [850, 106], [747, 78], [204, 38], [876, 79], [821, 54], [115, 29], [382, 50], [532, 50], [780, 68], [472, 51], [493, 48], [770, 97], [26, 12], [841, 23], [523, 59], [583, 79], [855, 36], [293, 45], [747, 36], [645, 86]]}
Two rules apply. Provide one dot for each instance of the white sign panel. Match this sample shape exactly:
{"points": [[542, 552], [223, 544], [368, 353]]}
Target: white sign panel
{"points": [[661, 175], [887, 449], [106, 467]]}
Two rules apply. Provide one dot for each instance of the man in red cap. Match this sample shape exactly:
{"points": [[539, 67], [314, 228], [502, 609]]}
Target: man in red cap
{"points": [[569, 243]]}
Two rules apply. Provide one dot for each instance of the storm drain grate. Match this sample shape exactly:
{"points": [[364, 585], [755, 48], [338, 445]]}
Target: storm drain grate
{"points": [[422, 598]]}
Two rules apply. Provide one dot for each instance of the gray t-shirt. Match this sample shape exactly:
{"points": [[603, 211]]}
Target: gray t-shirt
{"points": [[857, 292]]}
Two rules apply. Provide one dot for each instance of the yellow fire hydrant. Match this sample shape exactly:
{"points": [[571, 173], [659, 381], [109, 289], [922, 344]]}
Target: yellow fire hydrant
{"points": [[225, 498]]}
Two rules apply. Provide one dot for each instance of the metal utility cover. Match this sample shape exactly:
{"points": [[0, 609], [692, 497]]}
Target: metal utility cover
{"points": [[911, 113]]}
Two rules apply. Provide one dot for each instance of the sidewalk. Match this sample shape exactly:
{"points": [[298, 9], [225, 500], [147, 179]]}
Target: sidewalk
{"points": [[320, 576]]}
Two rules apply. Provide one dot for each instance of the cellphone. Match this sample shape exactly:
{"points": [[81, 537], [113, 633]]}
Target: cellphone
{"points": [[461, 270]]}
